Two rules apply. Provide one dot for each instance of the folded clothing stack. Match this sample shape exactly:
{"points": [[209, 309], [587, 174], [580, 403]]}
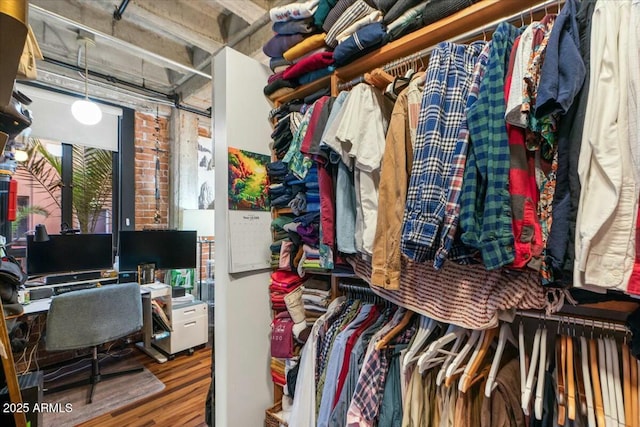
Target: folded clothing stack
{"points": [[277, 371], [283, 283], [316, 296], [296, 40]]}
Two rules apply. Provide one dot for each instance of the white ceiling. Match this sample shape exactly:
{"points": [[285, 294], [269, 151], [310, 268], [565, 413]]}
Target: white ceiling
{"points": [[159, 49]]}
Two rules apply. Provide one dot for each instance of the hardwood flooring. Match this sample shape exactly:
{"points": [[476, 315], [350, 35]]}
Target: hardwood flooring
{"points": [[181, 403]]}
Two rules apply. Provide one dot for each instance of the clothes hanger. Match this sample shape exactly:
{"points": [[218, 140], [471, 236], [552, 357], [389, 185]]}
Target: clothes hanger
{"points": [[571, 380], [634, 402], [526, 395], [474, 366], [581, 393], [626, 379], [425, 327], [604, 383], [617, 381], [437, 346], [455, 350], [522, 360], [452, 370], [598, 397], [588, 390], [505, 336], [561, 368], [538, 403], [404, 322]]}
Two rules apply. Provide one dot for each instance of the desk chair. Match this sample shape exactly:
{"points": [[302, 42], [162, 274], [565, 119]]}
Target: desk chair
{"points": [[90, 317]]}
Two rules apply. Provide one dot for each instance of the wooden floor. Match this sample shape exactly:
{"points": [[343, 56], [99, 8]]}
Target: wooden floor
{"points": [[181, 403]]}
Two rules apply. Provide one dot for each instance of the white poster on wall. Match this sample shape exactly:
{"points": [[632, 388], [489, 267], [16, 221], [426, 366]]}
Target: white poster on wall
{"points": [[206, 174]]}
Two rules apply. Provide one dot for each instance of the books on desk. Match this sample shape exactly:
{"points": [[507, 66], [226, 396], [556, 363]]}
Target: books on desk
{"points": [[160, 318]]}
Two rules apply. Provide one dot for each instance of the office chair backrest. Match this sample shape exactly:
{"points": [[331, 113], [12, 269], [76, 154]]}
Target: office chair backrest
{"points": [[90, 317]]}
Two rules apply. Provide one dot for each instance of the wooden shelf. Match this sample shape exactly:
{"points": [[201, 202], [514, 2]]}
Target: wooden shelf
{"points": [[464, 21]]}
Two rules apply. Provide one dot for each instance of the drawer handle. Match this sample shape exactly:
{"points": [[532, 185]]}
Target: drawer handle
{"points": [[186, 325], [193, 310]]}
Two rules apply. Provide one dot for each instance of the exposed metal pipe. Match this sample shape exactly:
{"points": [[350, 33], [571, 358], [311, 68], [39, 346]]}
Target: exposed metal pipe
{"points": [[171, 97], [126, 46], [117, 14]]}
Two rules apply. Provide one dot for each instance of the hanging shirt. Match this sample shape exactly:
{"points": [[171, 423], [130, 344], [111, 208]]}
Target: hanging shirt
{"points": [[443, 104], [362, 130], [303, 412], [605, 249], [485, 213]]}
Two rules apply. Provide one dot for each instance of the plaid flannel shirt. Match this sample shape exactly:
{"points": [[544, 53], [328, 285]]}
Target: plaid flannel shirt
{"points": [[443, 112], [485, 210], [365, 404]]}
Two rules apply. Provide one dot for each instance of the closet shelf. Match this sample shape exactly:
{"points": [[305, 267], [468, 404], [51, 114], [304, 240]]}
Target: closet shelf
{"points": [[466, 20]]}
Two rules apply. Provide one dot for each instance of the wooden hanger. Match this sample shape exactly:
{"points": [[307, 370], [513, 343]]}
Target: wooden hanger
{"points": [[538, 405], [474, 366], [561, 366], [635, 391], [626, 375], [571, 380], [404, 322], [586, 372], [598, 398]]}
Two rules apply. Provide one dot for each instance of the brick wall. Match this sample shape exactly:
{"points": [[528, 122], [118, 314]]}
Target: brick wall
{"points": [[145, 143]]}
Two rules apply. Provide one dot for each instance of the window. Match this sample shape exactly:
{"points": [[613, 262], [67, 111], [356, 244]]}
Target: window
{"points": [[67, 184]]}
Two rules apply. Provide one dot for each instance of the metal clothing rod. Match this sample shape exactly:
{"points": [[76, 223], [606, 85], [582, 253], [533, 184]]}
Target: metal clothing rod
{"points": [[575, 320], [460, 38], [356, 288]]}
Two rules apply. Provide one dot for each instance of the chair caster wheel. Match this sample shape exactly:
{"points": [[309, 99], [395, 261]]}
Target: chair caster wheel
{"points": [[191, 351]]}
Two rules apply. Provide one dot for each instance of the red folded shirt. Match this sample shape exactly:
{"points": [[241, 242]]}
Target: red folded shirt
{"points": [[306, 65]]}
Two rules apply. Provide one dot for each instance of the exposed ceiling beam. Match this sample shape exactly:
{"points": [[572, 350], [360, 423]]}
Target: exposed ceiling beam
{"points": [[183, 21], [245, 9], [125, 35]]}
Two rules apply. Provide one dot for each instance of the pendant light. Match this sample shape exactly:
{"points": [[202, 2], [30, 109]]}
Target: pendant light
{"points": [[84, 110]]}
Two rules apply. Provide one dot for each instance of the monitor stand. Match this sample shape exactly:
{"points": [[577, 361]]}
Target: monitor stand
{"points": [[72, 277]]}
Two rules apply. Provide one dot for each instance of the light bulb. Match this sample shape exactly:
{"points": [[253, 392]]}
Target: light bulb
{"points": [[20, 156], [86, 112]]}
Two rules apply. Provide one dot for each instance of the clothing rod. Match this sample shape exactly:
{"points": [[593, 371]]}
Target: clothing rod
{"points": [[462, 37], [578, 321], [356, 288]]}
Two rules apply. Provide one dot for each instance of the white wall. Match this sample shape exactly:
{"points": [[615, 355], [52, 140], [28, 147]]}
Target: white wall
{"points": [[242, 313]]}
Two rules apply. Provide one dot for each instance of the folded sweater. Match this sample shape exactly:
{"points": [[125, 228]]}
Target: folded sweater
{"points": [[312, 63]]}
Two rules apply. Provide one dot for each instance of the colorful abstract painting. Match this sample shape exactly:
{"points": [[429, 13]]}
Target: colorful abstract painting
{"points": [[248, 180]]}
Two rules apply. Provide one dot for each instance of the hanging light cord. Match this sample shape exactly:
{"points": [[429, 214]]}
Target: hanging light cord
{"points": [[86, 69]]}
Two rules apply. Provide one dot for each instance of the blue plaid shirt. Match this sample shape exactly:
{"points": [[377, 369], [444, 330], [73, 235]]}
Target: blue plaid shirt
{"points": [[485, 210], [441, 115]]}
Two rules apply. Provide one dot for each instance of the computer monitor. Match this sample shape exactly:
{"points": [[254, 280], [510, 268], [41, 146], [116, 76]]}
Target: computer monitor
{"points": [[164, 248], [69, 253]]}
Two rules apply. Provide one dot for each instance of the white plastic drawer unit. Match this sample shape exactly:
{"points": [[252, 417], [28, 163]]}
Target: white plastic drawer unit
{"points": [[189, 328]]}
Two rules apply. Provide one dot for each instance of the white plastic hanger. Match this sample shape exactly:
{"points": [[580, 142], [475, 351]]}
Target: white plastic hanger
{"points": [[457, 362], [542, 366], [436, 347], [425, 327], [591, 414], [617, 382], [526, 395], [604, 381], [455, 350], [522, 359], [505, 336], [474, 356]]}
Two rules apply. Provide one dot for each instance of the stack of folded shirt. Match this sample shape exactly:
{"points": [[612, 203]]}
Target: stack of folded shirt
{"points": [[316, 296], [310, 258], [294, 37], [277, 371], [282, 283]]}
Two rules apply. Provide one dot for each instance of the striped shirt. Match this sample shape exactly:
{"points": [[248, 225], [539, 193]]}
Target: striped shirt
{"points": [[355, 12]]}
